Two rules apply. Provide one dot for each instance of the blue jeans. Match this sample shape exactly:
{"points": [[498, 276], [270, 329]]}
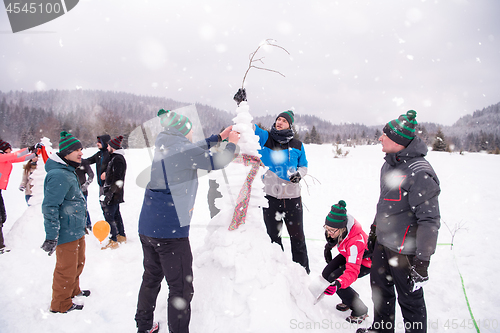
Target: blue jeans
{"points": [[114, 218]]}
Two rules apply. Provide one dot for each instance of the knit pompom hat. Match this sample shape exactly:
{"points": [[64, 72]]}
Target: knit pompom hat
{"points": [[4, 145], [288, 115], [402, 130], [174, 120], [68, 143], [337, 218], [116, 143]]}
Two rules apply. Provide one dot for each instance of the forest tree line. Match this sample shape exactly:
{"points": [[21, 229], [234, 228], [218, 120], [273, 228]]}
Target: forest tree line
{"points": [[25, 117]]}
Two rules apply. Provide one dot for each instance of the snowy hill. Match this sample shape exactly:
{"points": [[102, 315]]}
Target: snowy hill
{"points": [[469, 202]]}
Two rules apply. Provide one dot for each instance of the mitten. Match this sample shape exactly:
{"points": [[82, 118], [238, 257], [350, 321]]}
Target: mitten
{"points": [[332, 289], [295, 177], [240, 96], [372, 238], [49, 246], [418, 276]]}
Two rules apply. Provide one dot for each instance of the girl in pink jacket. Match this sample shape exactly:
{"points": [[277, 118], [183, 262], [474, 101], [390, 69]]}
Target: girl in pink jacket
{"points": [[7, 157], [344, 231]]}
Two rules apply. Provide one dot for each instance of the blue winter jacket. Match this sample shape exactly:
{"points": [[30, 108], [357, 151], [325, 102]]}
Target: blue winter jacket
{"points": [[64, 206], [170, 195], [282, 161]]}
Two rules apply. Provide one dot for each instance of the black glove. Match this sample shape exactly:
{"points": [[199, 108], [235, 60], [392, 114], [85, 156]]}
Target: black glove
{"points": [[328, 254], [296, 177], [372, 238], [240, 96], [39, 145], [328, 248], [49, 246], [418, 276], [32, 149]]}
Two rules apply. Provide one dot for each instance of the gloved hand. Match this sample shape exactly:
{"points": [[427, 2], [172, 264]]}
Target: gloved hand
{"points": [[32, 149], [107, 198], [418, 276], [39, 145], [85, 186], [328, 254], [332, 289], [49, 246], [295, 177], [240, 96], [102, 198], [372, 238], [22, 188]]}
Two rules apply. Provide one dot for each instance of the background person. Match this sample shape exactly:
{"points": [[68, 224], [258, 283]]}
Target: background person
{"points": [[7, 157]]}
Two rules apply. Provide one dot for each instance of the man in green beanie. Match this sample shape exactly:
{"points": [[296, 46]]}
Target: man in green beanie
{"points": [[64, 212], [404, 233]]}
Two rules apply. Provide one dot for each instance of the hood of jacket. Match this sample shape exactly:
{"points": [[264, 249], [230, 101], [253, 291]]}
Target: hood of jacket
{"points": [[104, 139], [56, 162], [416, 148]]}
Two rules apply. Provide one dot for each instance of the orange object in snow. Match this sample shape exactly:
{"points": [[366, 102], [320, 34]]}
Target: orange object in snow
{"points": [[101, 230]]}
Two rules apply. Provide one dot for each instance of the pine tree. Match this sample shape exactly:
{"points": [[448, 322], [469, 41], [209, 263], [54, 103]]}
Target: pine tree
{"points": [[307, 138], [439, 141], [315, 138]]}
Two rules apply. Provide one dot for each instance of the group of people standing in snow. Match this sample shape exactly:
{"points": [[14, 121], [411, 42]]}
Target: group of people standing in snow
{"points": [[402, 238], [396, 253]]}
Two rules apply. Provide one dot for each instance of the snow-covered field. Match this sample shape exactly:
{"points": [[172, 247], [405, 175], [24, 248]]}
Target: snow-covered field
{"points": [[470, 201]]}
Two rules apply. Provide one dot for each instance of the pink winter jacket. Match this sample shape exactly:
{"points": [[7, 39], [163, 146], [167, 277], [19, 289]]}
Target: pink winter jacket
{"points": [[353, 248], [6, 161]]}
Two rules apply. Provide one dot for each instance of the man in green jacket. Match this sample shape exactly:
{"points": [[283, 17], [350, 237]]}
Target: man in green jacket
{"points": [[64, 211]]}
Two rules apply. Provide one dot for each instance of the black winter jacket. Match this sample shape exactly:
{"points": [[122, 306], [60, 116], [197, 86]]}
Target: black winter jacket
{"points": [[408, 218], [115, 178]]}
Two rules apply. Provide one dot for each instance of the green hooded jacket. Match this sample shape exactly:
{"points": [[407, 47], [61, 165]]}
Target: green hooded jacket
{"points": [[64, 206]]}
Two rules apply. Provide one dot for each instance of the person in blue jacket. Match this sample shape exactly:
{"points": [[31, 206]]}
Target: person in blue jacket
{"points": [[64, 211], [166, 215], [286, 159]]}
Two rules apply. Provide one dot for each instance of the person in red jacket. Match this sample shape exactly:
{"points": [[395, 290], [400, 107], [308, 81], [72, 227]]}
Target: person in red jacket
{"points": [[347, 234], [7, 157]]}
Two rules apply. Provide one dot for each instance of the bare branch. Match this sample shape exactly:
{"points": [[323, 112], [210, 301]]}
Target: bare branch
{"points": [[269, 42]]}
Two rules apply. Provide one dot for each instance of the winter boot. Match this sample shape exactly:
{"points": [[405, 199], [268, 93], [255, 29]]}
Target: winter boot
{"points": [[121, 239], [154, 329], [83, 293], [4, 250], [342, 307], [73, 307], [356, 319], [111, 245]]}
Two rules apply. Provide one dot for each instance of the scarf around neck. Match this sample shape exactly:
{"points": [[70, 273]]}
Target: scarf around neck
{"points": [[283, 136]]}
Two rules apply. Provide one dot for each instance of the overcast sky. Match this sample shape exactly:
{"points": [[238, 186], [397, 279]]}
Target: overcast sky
{"points": [[350, 61]]}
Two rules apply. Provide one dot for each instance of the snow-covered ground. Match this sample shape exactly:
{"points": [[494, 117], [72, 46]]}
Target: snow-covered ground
{"points": [[469, 201]]}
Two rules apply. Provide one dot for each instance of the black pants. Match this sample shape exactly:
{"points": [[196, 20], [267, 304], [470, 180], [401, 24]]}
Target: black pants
{"points": [[391, 270], [3, 218], [113, 216], [349, 296], [170, 258], [289, 211]]}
